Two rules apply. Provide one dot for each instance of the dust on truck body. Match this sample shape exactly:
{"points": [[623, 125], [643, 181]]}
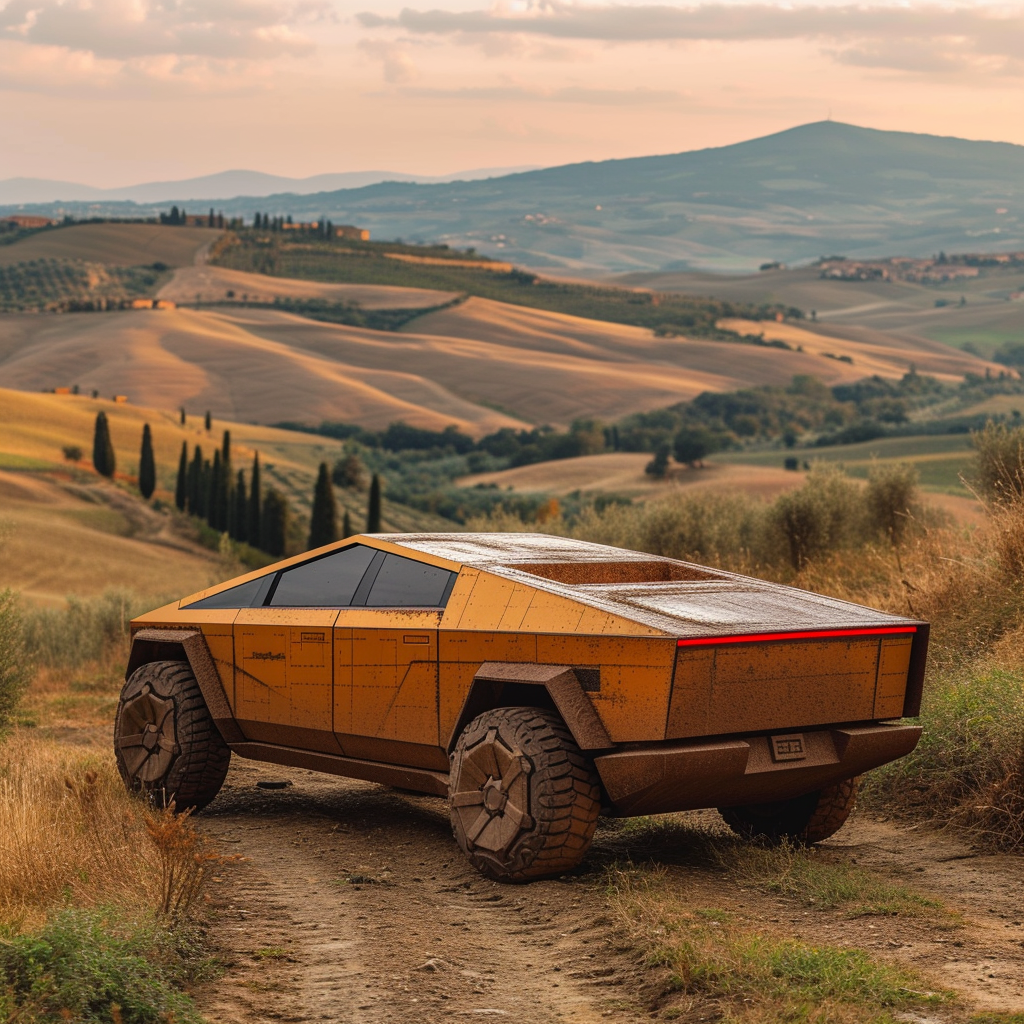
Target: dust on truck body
{"points": [[532, 680]]}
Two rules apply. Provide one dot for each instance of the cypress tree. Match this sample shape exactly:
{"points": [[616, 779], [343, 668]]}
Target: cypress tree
{"points": [[225, 448], [147, 465], [102, 447], [373, 510], [215, 509], [323, 522], [346, 525], [274, 528], [205, 479], [240, 509], [181, 484], [195, 482], [209, 421], [252, 526], [181, 415]]}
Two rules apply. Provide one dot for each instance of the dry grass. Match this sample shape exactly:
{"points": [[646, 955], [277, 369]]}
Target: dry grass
{"points": [[70, 834], [207, 283]]}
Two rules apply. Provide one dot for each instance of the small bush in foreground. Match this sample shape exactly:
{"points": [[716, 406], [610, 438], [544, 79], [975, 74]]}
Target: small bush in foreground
{"points": [[86, 965]]}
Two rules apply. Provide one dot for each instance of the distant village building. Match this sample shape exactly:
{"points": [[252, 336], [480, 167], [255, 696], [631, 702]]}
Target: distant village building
{"points": [[352, 233], [20, 221]]}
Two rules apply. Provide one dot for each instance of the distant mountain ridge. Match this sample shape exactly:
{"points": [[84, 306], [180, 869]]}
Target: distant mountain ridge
{"points": [[224, 185], [817, 189]]}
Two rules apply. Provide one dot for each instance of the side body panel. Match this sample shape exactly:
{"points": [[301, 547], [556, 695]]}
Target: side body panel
{"points": [[284, 675], [386, 686], [491, 619]]}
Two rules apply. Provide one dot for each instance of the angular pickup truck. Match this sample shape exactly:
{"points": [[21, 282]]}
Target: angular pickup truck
{"points": [[532, 681]]}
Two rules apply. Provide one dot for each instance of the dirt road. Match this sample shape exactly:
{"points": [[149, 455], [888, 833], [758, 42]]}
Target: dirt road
{"points": [[353, 904]]}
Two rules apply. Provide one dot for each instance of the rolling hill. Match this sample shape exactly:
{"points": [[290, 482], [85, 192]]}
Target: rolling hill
{"points": [[123, 245], [480, 365], [792, 196], [65, 530]]}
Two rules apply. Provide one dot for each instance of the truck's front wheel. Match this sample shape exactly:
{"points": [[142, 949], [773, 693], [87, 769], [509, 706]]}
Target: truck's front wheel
{"points": [[524, 798], [804, 819], [165, 740]]}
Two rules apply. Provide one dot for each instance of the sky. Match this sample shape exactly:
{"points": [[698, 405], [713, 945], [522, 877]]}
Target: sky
{"points": [[114, 92]]}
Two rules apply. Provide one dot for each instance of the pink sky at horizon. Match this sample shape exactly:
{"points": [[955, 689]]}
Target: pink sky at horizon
{"points": [[113, 92]]}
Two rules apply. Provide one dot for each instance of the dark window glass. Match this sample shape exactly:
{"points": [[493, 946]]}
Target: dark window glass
{"points": [[327, 582], [403, 583], [241, 596]]}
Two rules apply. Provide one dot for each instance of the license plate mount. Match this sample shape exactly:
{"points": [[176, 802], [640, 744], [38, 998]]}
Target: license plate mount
{"points": [[788, 747]]}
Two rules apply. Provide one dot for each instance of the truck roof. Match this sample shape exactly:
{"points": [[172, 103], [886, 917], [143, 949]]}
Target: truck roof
{"points": [[664, 594]]}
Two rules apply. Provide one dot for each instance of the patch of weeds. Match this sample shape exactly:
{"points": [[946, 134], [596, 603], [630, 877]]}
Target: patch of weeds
{"points": [[817, 878], [271, 953], [90, 966], [715, 966], [998, 1018]]}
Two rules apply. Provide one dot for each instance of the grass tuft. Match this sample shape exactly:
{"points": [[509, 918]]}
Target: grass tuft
{"points": [[719, 969]]}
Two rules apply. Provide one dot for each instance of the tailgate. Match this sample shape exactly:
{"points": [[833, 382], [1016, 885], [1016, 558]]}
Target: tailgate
{"points": [[766, 682]]}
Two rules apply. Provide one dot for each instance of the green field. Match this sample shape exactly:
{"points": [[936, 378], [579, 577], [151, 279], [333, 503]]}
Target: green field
{"points": [[940, 460], [985, 341]]}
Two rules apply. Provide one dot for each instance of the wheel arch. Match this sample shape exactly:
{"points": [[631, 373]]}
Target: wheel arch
{"points": [[555, 687], [189, 645]]}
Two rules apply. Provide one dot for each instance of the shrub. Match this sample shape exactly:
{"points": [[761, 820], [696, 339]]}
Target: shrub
{"points": [[14, 668], [85, 965], [818, 518], [890, 499], [83, 630], [999, 463]]}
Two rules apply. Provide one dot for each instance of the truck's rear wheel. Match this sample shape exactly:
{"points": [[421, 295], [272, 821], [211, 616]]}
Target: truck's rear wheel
{"points": [[524, 799], [165, 741], [804, 819]]}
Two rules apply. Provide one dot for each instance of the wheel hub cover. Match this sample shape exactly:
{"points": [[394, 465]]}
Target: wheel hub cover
{"points": [[492, 794], [146, 736]]}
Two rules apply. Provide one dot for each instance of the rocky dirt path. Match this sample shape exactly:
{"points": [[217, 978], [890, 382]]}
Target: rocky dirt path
{"points": [[353, 904]]}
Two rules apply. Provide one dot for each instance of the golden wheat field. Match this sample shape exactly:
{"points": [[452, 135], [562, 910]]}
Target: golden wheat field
{"points": [[124, 245], [205, 283]]}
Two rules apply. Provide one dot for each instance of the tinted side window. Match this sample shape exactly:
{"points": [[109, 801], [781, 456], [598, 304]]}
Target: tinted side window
{"points": [[404, 583], [327, 582], [241, 596]]}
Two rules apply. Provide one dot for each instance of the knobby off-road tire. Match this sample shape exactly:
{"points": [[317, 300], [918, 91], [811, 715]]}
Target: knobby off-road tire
{"points": [[804, 819], [524, 799], [166, 744]]}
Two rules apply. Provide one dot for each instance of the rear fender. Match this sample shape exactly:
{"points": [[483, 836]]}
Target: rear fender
{"points": [[149, 645], [505, 684]]}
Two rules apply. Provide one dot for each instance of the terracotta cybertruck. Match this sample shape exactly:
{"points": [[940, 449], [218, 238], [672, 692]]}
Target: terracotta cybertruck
{"points": [[531, 680]]}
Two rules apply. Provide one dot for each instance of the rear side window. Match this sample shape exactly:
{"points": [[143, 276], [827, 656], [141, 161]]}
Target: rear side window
{"points": [[242, 596], [327, 582], [404, 583]]}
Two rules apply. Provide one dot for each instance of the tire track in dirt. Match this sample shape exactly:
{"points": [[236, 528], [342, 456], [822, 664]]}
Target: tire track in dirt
{"points": [[354, 904]]}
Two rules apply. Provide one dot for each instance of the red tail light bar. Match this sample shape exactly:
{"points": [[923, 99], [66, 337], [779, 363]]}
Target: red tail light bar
{"points": [[810, 634]]}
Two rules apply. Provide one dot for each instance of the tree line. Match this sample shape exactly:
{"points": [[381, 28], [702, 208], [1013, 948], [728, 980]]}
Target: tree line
{"points": [[211, 489]]}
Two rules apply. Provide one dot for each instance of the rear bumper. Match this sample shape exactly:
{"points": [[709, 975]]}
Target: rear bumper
{"points": [[724, 773]]}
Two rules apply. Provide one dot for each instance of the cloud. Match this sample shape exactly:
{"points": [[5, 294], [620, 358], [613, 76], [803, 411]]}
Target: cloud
{"points": [[928, 36], [397, 64], [570, 94], [125, 30]]}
